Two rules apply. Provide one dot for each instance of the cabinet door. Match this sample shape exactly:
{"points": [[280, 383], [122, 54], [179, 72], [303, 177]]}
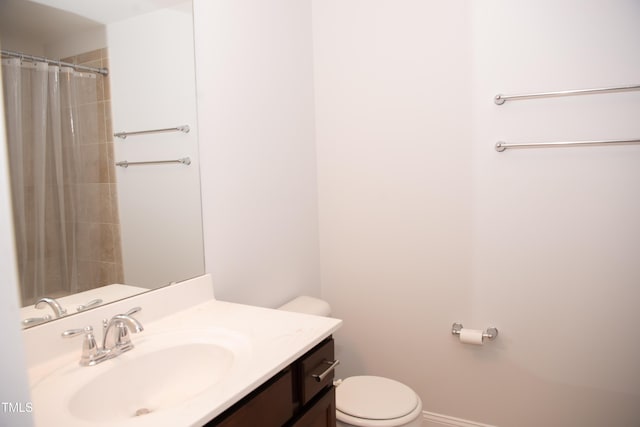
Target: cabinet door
{"points": [[322, 413], [269, 406]]}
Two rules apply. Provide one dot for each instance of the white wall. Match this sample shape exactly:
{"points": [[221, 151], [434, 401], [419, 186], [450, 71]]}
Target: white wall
{"points": [[14, 387], [255, 108], [394, 165], [423, 223], [153, 87], [81, 42], [33, 47], [556, 231]]}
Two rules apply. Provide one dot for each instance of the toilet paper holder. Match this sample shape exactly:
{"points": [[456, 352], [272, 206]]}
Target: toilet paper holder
{"points": [[490, 333]]}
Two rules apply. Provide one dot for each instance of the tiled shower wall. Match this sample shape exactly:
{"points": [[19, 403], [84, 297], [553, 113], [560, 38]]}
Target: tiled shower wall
{"points": [[100, 254]]}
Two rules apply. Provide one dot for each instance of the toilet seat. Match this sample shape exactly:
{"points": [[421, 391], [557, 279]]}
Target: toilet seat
{"points": [[376, 402]]}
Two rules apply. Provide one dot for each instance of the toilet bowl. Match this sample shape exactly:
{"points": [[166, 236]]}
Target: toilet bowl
{"points": [[366, 401]]}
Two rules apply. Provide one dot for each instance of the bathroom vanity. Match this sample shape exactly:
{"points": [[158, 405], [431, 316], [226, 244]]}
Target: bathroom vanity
{"points": [[197, 362], [300, 395]]}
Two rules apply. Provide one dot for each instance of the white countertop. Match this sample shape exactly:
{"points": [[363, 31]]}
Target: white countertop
{"points": [[274, 339]]}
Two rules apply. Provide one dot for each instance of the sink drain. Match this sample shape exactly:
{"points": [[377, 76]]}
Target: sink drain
{"points": [[142, 411]]}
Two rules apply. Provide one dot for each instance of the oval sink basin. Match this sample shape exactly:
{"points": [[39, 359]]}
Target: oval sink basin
{"points": [[153, 381], [162, 372]]}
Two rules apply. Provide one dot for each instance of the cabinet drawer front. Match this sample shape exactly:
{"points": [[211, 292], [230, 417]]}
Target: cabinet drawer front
{"points": [[316, 363]]}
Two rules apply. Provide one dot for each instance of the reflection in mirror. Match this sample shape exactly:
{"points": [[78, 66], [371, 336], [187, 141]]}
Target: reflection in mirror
{"points": [[88, 232]]}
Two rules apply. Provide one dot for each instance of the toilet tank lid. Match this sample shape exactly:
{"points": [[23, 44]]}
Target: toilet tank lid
{"points": [[307, 305], [375, 398]]}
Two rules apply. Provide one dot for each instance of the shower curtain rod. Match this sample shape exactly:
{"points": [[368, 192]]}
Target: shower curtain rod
{"points": [[21, 55]]}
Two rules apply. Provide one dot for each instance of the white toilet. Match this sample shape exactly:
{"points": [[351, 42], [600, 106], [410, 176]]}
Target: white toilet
{"points": [[366, 401]]}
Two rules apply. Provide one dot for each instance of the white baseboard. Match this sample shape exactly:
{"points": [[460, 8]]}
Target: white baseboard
{"points": [[437, 420]]}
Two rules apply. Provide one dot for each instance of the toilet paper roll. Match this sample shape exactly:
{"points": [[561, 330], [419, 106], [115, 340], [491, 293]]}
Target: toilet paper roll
{"points": [[471, 336]]}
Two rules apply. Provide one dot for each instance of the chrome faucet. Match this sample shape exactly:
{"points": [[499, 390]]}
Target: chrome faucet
{"points": [[116, 339], [116, 332], [55, 306]]}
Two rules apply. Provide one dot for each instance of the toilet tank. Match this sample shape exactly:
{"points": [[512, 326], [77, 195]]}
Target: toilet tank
{"points": [[307, 305]]}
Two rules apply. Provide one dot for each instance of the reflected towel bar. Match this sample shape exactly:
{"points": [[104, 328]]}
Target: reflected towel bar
{"points": [[126, 164], [500, 99], [501, 146], [123, 135]]}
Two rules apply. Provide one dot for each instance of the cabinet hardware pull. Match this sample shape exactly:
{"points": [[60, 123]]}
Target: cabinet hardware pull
{"points": [[323, 375]]}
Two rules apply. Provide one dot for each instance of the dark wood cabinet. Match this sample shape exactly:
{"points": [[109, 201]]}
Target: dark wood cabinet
{"points": [[291, 398], [321, 413], [269, 405]]}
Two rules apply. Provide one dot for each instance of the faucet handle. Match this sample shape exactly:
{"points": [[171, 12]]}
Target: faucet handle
{"points": [[70, 333], [91, 353], [86, 306], [133, 311]]}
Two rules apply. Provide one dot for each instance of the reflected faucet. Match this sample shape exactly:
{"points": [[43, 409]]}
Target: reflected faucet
{"points": [[55, 306]]}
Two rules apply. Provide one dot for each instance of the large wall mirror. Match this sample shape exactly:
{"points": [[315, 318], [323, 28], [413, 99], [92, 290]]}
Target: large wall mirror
{"points": [[100, 104]]}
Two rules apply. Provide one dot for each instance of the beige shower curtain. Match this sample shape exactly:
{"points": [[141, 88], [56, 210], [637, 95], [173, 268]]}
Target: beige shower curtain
{"points": [[44, 107]]}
